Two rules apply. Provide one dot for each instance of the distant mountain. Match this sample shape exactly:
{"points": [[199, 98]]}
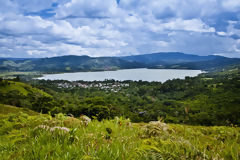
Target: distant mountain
{"points": [[68, 64], [177, 60], [217, 63], [16, 59], [82, 63], [164, 58], [174, 60]]}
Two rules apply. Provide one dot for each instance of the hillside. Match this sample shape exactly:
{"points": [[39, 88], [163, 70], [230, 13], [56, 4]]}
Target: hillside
{"points": [[7, 109], [173, 60], [164, 58], [176, 60], [44, 137], [68, 64], [218, 63], [6, 87], [191, 118], [23, 95], [208, 99]]}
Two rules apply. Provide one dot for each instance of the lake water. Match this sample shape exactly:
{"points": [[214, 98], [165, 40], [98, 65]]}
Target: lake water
{"points": [[160, 75]]}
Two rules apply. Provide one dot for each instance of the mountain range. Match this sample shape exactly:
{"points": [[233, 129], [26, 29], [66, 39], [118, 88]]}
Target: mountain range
{"points": [[166, 60]]}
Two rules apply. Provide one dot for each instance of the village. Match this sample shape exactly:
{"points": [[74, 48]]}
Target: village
{"points": [[107, 86]]}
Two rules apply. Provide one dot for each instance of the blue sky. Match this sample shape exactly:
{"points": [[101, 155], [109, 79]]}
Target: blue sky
{"points": [[46, 28]]}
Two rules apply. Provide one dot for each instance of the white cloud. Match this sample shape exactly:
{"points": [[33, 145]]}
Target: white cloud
{"points": [[33, 5], [104, 28], [7, 6], [4, 55], [195, 25], [231, 5], [87, 8], [35, 52], [186, 9], [222, 33], [162, 43]]}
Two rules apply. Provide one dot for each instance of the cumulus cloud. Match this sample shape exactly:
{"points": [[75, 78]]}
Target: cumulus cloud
{"points": [[195, 25], [232, 5], [86, 8], [123, 27], [33, 6]]}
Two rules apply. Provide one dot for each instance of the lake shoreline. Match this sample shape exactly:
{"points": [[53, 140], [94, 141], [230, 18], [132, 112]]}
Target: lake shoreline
{"points": [[143, 74]]}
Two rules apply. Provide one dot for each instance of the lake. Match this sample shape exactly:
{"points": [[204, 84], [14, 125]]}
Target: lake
{"points": [[160, 75]]}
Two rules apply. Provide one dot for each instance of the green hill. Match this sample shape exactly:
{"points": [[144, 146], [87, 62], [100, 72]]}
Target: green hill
{"points": [[24, 95], [218, 63], [164, 58], [208, 99], [6, 87], [7, 109], [67, 64], [85, 63]]}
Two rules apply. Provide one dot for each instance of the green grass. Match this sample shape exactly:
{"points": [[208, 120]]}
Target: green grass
{"points": [[22, 88], [7, 109], [11, 75], [20, 138]]}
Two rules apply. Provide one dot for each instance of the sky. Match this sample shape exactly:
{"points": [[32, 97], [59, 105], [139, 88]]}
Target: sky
{"points": [[47, 28]]}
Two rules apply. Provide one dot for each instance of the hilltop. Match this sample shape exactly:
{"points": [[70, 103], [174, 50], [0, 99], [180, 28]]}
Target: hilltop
{"points": [[24, 95], [67, 64]]}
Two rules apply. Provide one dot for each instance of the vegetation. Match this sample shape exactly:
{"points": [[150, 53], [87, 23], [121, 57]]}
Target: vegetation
{"points": [[164, 58], [42, 136], [194, 118], [209, 99], [67, 64], [86, 63], [7, 109], [217, 63], [12, 75]]}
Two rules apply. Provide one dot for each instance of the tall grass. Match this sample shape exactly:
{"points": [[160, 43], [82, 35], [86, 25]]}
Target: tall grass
{"points": [[21, 138]]}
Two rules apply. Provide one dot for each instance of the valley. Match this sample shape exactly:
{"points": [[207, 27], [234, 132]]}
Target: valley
{"points": [[128, 119], [121, 118]]}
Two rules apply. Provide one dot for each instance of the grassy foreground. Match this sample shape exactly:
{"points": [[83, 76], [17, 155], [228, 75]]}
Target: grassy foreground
{"points": [[24, 135]]}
